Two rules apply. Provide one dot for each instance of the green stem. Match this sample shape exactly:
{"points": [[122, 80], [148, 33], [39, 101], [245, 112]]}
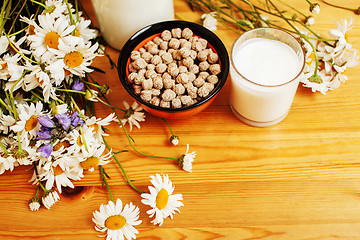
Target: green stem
{"points": [[70, 90], [39, 3], [172, 133], [4, 148], [122, 169], [19, 142], [37, 192], [102, 174], [356, 11]]}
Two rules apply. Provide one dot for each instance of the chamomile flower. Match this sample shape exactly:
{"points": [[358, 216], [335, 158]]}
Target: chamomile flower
{"points": [[34, 204], [339, 33], [47, 36], [133, 115], [56, 8], [116, 221], [161, 199], [4, 43], [7, 162], [209, 21], [94, 158], [96, 125], [28, 123], [74, 56], [50, 198], [186, 160], [82, 30]]}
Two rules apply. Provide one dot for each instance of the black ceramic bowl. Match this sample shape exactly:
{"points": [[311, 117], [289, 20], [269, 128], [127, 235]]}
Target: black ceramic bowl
{"points": [[140, 38]]}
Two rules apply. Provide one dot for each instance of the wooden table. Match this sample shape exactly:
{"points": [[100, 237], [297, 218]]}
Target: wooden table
{"points": [[299, 179]]}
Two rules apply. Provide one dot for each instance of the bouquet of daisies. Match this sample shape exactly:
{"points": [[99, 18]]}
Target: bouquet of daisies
{"points": [[46, 51]]}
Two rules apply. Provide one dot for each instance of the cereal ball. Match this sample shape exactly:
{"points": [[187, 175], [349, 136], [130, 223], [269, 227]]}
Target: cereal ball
{"points": [[146, 95], [158, 82], [135, 55], [174, 43], [132, 68], [168, 95], [188, 62], [203, 55], [192, 76], [150, 66], [147, 84], [203, 75], [142, 72], [156, 60], [185, 44], [139, 64], [185, 52], [167, 58], [173, 71], [161, 52], [215, 69], [142, 50], [193, 39], [176, 32], [179, 89], [183, 69], [147, 56], [166, 35], [131, 77], [153, 49], [205, 89], [204, 66], [213, 57], [155, 101], [157, 40], [194, 69], [187, 33], [168, 83], [137, 89], [165, 104], [182, 78], [164, 45], [155, 92], [212, 79], [203, 42], [186, 100], [193, 54], [198, 82], [176, 103], [150, 73], [197, 46], [192, 91], [188, 85], [166, 75], [176, 55], [172, 64], [139, 79], [148, 44], [161, 68]]}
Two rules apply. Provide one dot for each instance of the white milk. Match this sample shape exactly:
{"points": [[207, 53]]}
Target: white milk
{"points": [[120, 19], [269, 66]]}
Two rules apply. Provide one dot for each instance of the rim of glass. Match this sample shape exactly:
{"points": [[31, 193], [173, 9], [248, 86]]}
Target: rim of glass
{"points": [[270, 28]]}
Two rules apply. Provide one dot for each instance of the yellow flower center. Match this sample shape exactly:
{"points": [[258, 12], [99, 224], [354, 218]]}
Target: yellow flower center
{"points": [[115, 222], [79, 141], [64, 144], [77, 33], [90, 163], [94, 126], [346, 37], [73, 59], [31, 123], [31, 30], [52, 40], [162, 199], [57, 170], [311, 56]]}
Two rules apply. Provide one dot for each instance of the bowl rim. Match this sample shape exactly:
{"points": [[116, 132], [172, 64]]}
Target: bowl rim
{"points": [[153, 29]]}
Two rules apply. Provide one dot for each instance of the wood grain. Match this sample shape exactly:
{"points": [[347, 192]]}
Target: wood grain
{"points": [[297, 180]]}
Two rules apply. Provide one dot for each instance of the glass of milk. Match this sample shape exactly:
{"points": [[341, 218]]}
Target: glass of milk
{"points": [[266, 66], [119, 19]]}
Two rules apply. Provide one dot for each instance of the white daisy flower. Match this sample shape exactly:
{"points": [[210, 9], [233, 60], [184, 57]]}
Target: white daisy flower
{"points": [[28, 123], [74, 56], [47, 36], [116, 221], [174, 140], [11, 71], [209, 21], [82, 140], [310, 21], [133, 115], [161, 199], [7, 162], [186, 160], [94, 158], [82, 30], [34, 204], [339, 33], [50, 198], [4, 43], [56, 8], [315, 8], [96, 125]]}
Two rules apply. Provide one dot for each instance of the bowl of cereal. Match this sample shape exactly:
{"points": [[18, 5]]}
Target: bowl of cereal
{"points": [[173, 69]]}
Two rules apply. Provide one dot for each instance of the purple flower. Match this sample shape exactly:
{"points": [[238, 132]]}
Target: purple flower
{"points": [[78, 86], [64, 120], [46, 121], [43, 135], [46, 150]]}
